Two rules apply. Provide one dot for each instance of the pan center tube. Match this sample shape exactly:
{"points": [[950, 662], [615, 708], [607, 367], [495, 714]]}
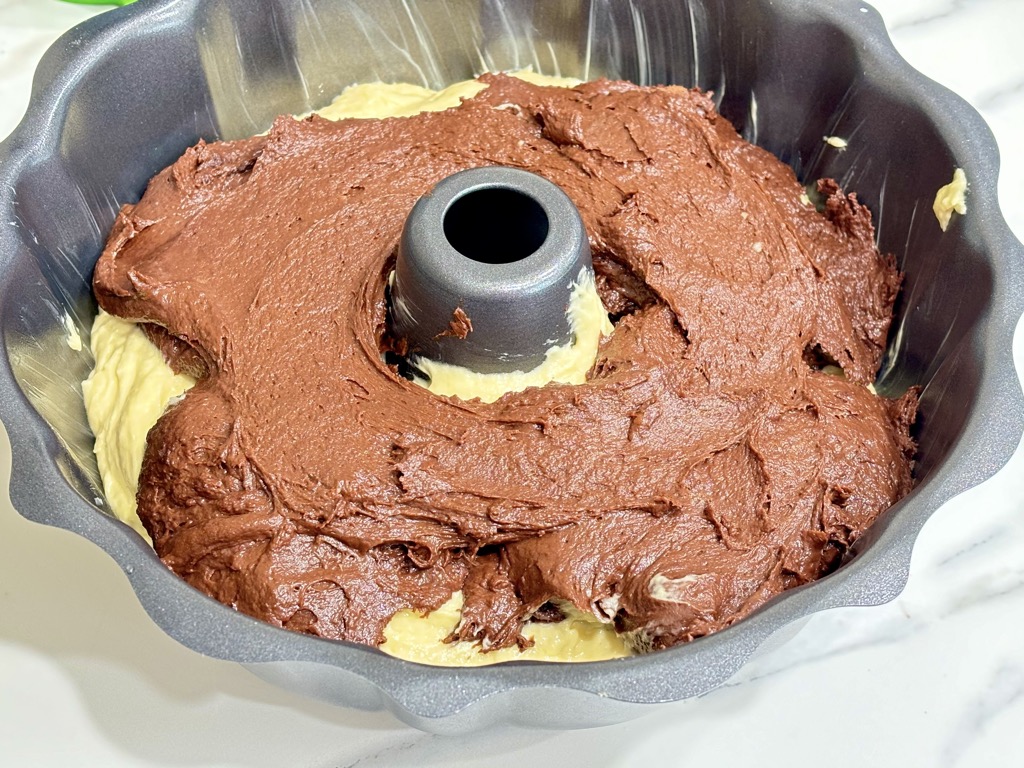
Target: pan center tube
{"points": [[493, 289]]}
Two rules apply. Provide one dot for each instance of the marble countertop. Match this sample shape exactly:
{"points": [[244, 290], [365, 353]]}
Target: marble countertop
{"points": [[935, 678]]}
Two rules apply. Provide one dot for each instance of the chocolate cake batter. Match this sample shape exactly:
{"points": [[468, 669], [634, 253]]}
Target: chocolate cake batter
{"points": [[706, 465]]}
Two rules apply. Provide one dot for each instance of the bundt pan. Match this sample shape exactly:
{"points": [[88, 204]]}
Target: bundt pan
{"points": [[120, 96]]}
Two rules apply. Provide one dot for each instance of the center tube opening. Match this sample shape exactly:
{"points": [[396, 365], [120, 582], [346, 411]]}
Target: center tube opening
{"points": [[496, 225]]}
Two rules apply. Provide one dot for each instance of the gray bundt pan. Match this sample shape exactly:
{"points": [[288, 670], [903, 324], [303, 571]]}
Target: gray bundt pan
{"points": [[120, 96]]}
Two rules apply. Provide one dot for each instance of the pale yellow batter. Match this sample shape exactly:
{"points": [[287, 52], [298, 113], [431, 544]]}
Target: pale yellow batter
{"points": [[951, 197], [131, 386], [125, 394], [566, 364]]}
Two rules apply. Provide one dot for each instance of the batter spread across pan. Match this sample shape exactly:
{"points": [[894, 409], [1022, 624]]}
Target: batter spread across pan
{"points": [[706, 464]]}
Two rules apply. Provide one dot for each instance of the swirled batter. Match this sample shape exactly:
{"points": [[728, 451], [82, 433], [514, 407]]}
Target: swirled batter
{"points": [[705, 465]]}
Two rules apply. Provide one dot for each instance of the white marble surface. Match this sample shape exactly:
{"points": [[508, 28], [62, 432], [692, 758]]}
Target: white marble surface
{"points": [[935, 678]]}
